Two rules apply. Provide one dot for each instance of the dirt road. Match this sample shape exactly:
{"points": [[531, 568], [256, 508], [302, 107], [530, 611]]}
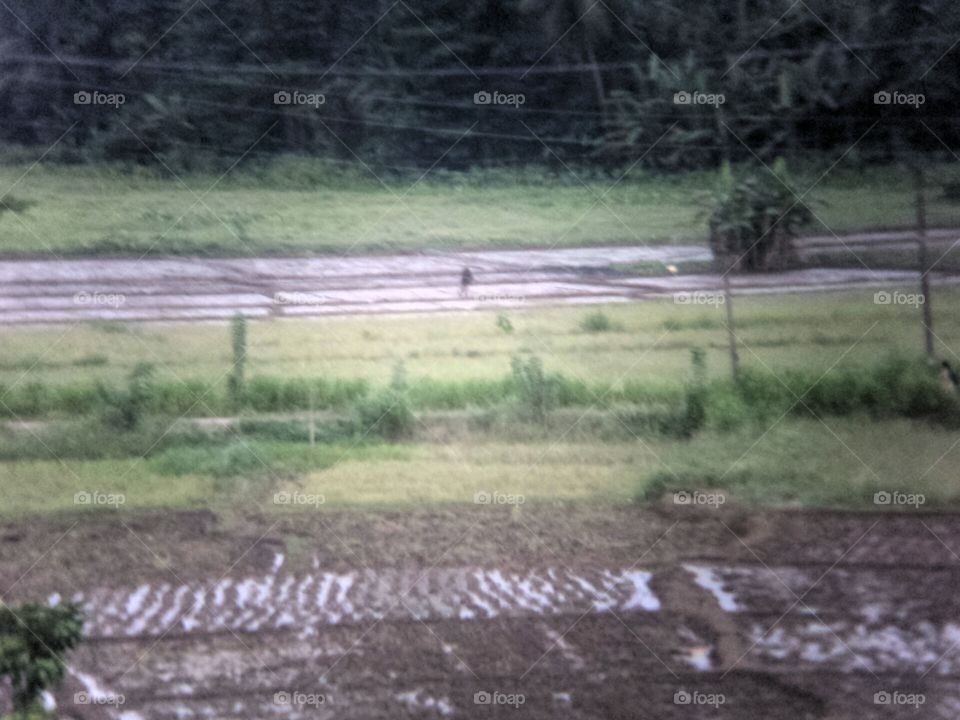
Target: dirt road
{"points": [[582, 613], [39, 291]]}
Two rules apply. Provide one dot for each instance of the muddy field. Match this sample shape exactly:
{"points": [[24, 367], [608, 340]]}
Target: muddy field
{"points": [[198, 288], [586, 612]]}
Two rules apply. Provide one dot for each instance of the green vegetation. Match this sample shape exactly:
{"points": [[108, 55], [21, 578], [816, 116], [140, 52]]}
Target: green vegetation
{"points": [[33, 640], [455, 359], [270, 209], [796, 461], [806, 462], [753, 219], [391, 403], [598, 322], [236, 380], [239, 465]]}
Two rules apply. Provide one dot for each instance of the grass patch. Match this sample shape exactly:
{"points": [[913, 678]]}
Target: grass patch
{"points": [[788, 331], [48, 486], [796, 462], [803, 462], [304, 206]]}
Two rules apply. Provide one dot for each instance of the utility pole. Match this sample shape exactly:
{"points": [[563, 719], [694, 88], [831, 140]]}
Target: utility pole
{"points": [[923, 260]]}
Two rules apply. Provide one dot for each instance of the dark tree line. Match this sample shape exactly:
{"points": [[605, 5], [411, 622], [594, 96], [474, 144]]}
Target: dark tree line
{"points": [[598, 79]]}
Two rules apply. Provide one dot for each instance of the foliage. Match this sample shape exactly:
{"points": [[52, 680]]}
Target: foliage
{"points": [[123, 409], [753, 221], [535, 389], [693, 414], [385, 414], [503, 322], [236, 383], [597, 322], [33, 640], [401, 100]]}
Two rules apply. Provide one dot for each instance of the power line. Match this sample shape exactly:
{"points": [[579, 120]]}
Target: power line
{"points": [[306, 114], [124, 64], [288, 110]]}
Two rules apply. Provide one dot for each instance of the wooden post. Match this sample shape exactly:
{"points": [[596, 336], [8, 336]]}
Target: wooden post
{"points": [[313, 419], [731, 335], [923, 261]]}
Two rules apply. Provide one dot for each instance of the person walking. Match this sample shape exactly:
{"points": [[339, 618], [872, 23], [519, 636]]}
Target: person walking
{"points": [[466, 280]]}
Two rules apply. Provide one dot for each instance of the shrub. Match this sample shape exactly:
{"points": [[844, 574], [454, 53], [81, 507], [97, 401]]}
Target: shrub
{"points": [[892, 387], [33, 640], [765, 394], [753, 221], [123, 409], [535, 390], [503, 322], [386, 414], [597, 322], [726, 410]]}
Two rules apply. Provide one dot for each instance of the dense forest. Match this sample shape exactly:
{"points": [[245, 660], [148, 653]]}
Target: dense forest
{"points": [[678, 83]]}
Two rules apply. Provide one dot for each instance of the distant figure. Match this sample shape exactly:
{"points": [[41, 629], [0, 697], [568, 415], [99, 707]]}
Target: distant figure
{"points": [[948, 378], [466, 280]]}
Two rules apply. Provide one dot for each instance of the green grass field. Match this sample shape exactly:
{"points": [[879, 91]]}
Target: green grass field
{"points": [[650, 343], [795, 462], [841, 461], [298, 206]]}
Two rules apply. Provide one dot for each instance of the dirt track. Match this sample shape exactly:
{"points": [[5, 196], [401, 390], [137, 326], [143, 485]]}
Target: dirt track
{"points": [[584, 613], [198, 288]]}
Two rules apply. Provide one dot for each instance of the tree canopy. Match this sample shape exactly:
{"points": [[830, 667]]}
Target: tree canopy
{"points": [[403, 85]]}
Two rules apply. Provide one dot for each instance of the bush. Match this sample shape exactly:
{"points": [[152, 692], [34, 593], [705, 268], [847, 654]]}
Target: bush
{"points": [[892, 387], [726, 410], [753, 221], [597, 322], [33, 640], [386, 414], [123, 409], [765, 394], [535, 390]]}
